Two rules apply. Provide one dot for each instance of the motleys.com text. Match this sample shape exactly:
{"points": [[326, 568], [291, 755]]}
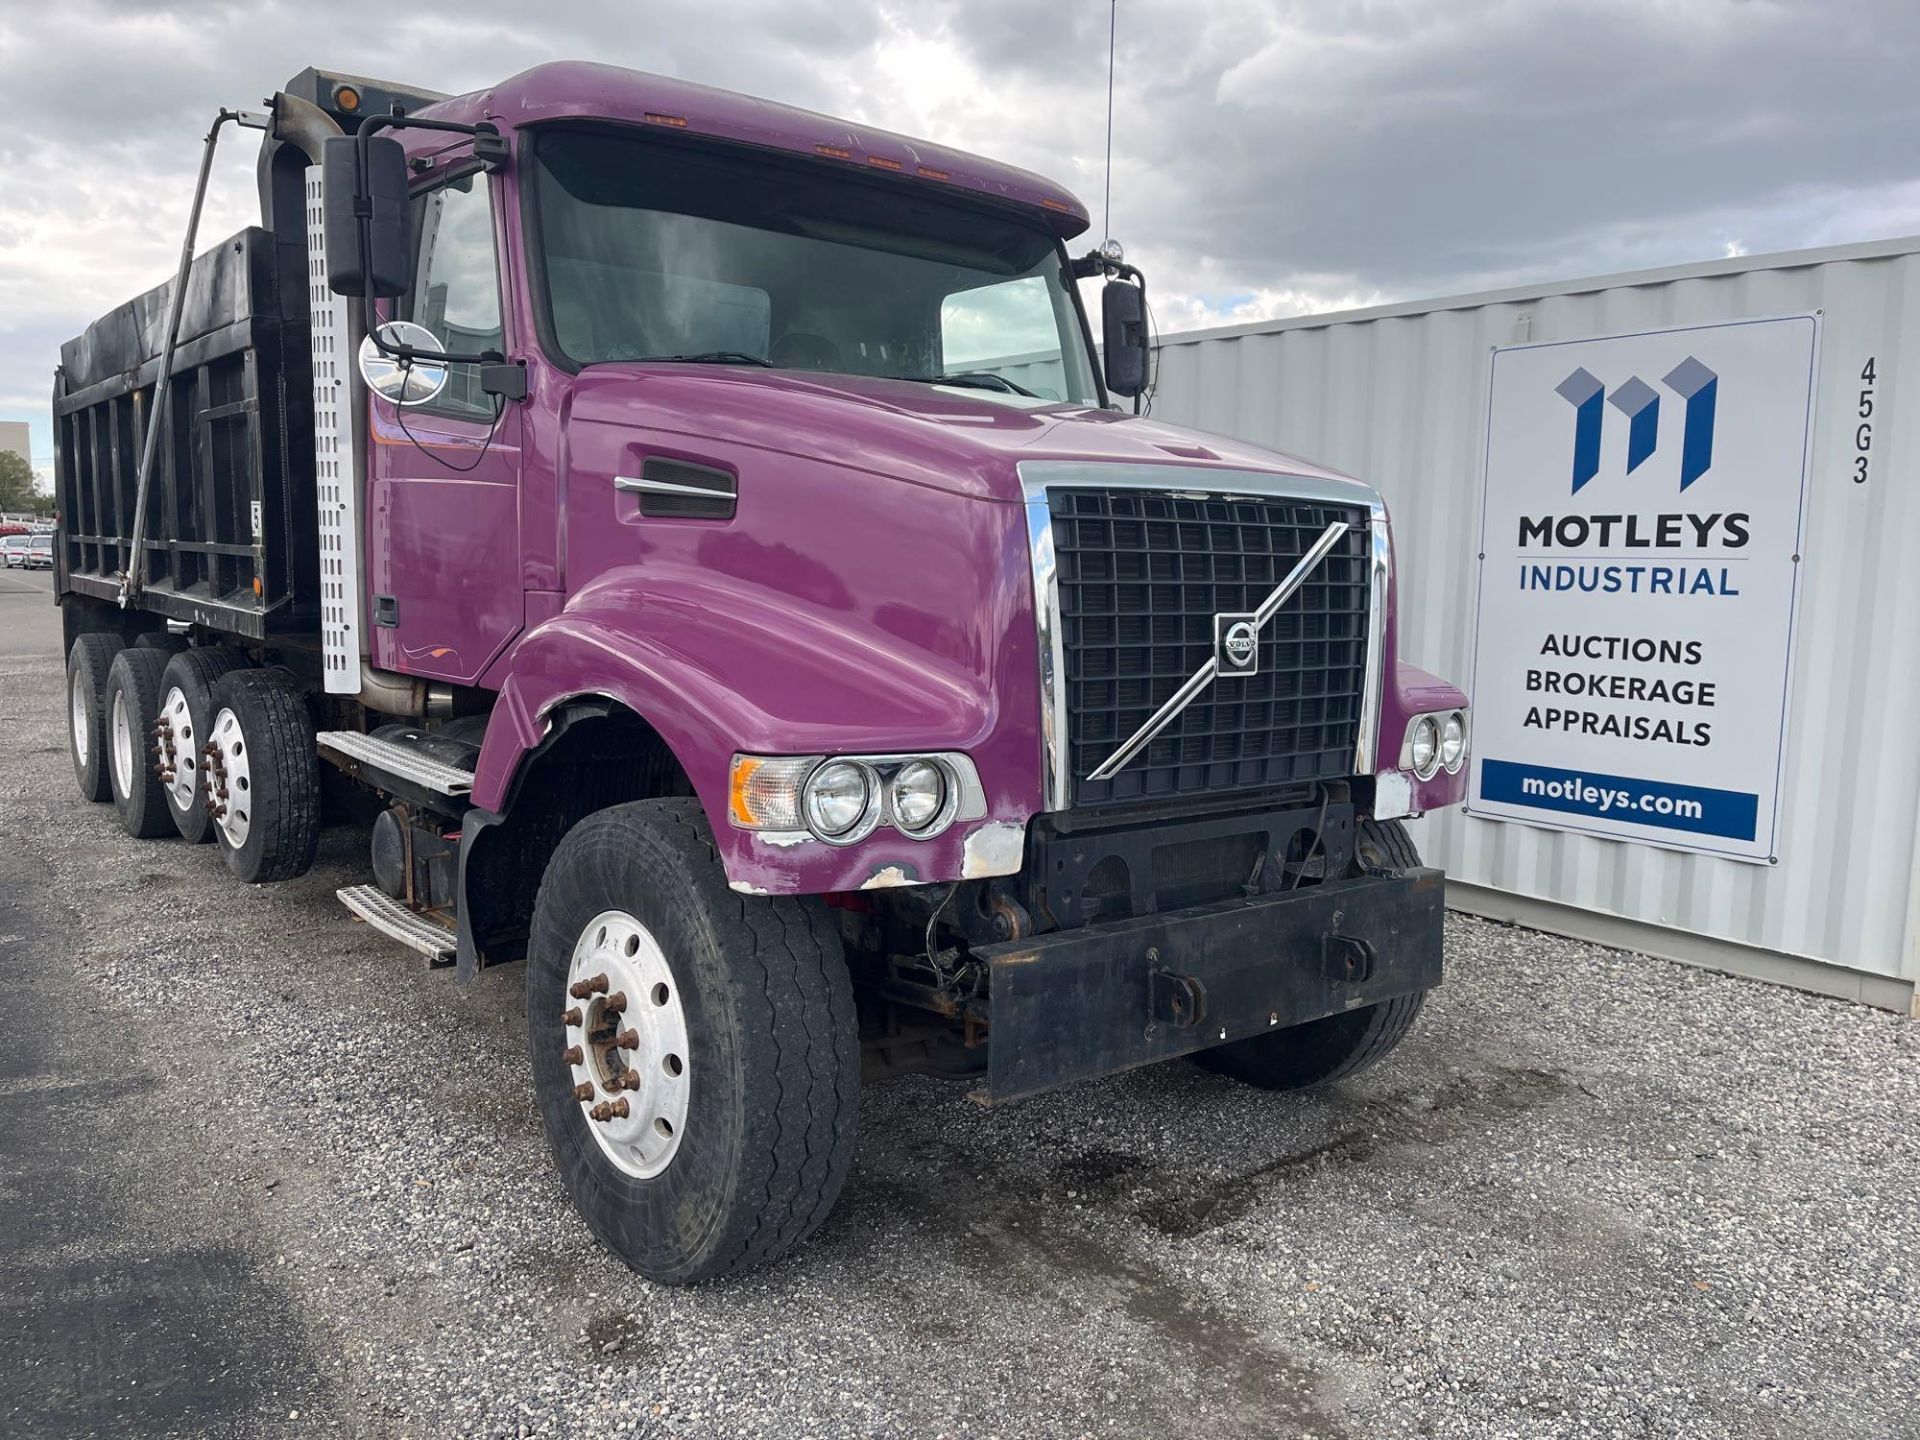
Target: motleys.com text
{"points": [[1603, 800]]}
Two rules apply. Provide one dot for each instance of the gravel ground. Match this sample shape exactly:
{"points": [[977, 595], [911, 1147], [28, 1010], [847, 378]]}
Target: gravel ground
{"points": [[269, 1177]]}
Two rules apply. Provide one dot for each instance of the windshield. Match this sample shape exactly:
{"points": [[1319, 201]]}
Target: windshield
{"points": [[668, 252]]}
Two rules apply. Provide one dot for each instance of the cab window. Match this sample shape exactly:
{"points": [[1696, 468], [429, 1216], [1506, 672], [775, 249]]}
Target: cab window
{"points": [[456, 286]]}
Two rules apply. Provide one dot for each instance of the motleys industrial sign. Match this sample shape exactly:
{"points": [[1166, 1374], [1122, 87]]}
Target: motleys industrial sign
{"points": [[1639, 556]]}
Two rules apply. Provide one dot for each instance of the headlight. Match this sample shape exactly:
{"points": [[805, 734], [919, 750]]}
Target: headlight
{"points": [[842, 799], [837, 798], [1426, 746], [1453, 740], [917, 796]]}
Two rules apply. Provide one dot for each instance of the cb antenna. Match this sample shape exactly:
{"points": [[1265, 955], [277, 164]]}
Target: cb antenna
{"points": [[1113, 23]]}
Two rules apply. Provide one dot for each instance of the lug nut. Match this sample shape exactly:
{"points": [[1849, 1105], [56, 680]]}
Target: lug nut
{"points": [[572, 1055], [611, 1110], [592, 985], [583, 1091], [630, 1080], [628, 1040], [570, 1016], [615, 1002]]}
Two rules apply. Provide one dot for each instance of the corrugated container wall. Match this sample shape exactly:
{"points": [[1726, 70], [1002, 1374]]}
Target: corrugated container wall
{"points": [[1398, 395]]}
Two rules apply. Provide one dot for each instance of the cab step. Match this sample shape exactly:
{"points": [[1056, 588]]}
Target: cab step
{"points": [[375, 760], [390, 917]]}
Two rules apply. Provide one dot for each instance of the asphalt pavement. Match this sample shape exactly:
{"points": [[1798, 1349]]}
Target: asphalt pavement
{"points": [[263, 1175]]}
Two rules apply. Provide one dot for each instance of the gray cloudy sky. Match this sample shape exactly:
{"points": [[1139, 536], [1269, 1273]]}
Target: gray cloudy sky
{"points": [[1270, 157]]}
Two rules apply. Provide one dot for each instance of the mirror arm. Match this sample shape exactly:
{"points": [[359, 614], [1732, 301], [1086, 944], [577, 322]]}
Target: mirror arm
{"points": [[489, 145]]}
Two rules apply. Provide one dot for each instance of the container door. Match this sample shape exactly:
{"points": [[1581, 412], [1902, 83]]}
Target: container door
{"points": [[446, 594]]}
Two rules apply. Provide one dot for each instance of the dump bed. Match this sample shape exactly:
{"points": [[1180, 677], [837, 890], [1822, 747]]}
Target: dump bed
{"points": [[230, 518]]}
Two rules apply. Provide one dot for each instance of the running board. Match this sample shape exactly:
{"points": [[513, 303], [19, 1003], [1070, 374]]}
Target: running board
{"points": [[374, 759], [390, 917]]}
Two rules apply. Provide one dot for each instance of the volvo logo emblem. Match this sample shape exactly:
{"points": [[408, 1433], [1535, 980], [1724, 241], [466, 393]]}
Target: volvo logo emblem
{"points": [[1236, 644]]}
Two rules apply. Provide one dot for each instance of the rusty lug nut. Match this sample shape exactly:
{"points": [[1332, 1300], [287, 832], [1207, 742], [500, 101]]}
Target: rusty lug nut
{"points": [[583, 1091], [615, 1002], [573, 1056], [570, 1016], [592, 985], [610, 1110], [628, 1039], [630, 1080]]}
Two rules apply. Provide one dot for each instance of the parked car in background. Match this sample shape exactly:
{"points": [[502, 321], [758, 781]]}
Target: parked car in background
{"points": [[40, 550], [15, 548]]}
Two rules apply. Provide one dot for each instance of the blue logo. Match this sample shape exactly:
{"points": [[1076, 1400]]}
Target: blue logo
{"points": [[1693, 382]]}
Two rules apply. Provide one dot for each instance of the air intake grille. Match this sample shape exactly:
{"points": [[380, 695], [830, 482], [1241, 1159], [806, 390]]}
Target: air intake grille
{"points": [[1141, 577]]}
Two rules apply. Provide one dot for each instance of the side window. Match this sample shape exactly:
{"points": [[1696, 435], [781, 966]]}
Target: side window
{"points": [[456, 285]]}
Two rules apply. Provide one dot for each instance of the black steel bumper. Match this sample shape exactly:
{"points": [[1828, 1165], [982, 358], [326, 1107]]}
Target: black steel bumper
{"points": [[1079, 1003]]}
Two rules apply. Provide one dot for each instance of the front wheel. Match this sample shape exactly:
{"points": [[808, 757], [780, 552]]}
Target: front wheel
{"points": [[695, 1052], [1319, 1052]]}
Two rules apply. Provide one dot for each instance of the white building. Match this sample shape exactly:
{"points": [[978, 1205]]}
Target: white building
{"points": [[1816, 663]]}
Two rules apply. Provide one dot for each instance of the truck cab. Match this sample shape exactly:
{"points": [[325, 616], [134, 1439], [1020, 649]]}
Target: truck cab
{"points": [[711, 537]]}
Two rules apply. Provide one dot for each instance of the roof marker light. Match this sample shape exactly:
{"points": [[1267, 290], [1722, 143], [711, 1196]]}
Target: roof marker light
{"points": [[678, 122]]}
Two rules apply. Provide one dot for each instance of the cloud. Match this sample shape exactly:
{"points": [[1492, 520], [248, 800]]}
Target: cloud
{"points": [[1271, 157]]}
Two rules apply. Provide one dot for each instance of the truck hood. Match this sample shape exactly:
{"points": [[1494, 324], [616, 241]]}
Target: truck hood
{"points": [[961, 441]]}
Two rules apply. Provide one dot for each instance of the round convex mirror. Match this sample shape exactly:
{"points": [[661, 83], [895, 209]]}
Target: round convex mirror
{"points": [[403, 381]]}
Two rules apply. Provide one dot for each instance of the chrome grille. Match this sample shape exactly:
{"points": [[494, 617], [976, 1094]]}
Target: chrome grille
{"points": [[1141, 574]]}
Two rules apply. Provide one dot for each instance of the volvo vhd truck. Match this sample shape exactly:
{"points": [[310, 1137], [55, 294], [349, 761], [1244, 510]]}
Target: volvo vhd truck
{"points": [[703, 542]]}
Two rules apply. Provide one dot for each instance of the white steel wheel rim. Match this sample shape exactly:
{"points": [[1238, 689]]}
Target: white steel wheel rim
{"points": [[626, 1044], [122, 747], [230, 780], [179, 749], [82, 731]]}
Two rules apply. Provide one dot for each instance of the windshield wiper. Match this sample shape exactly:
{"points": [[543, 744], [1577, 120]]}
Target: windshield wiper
{"points": [[972, 380], [711, 357]]}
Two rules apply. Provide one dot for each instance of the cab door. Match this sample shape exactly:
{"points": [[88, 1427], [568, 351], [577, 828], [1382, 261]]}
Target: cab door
{"points": [[446, 594]]}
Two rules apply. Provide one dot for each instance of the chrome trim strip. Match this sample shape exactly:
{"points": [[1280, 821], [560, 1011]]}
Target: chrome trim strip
{"points": [[1055, 758], [667, 487], [1380, 547], [1209, 672], [1035, 478]]}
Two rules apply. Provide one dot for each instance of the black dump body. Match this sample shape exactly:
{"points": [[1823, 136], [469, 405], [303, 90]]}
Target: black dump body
{"points": [[230, 505]]}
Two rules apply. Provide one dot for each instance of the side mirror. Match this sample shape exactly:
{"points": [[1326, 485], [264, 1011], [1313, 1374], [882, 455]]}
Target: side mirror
{"points": [[384, 267], [411, 380], [1123, 315]]}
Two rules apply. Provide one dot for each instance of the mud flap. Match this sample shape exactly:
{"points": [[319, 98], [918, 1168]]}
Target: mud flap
{"points": [[1081, 1003]]}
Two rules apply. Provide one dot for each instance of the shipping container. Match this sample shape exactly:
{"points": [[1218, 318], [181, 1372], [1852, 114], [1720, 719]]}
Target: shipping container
{"points": [[1400, 394]]}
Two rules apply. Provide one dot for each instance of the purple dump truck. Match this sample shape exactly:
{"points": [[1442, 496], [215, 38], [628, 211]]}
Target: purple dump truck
{"points": [[701, 541]]}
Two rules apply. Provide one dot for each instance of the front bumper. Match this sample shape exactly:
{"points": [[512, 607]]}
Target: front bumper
{"points": [[1080, 1003]]}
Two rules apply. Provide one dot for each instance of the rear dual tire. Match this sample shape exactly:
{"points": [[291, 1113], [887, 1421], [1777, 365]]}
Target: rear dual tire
{"points": [[87, 665], [186, 722], [263, 776], [132, 707]]}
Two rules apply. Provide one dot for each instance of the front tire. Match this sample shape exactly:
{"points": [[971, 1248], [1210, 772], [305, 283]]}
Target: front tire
{"points": [[1319, 1052], [263, 776], [734, 1018]]}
